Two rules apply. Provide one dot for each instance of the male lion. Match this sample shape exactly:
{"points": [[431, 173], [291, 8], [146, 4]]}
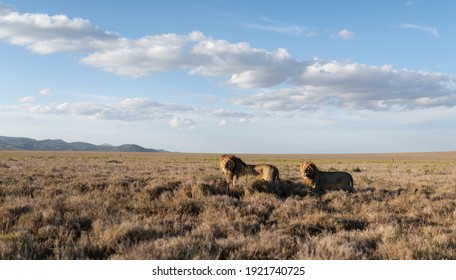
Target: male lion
{"points": [[233, 168], [324, 181]]}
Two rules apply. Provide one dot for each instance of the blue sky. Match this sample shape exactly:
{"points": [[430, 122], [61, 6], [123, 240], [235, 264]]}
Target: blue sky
{"points": [[232, 76]]}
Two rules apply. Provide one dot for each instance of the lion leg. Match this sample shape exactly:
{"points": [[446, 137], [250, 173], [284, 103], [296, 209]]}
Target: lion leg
{"points": [[319, 190], [317, 183], [351, 186], [234, 180], [230, 179], [276, 175]]}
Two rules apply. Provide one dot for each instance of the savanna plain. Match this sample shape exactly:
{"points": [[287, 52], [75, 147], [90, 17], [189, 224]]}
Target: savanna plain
{"points": [[77, 205]]}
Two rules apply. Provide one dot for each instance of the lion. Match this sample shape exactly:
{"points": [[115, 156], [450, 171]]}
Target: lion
{"points": [[233, 168], [324, 181]]}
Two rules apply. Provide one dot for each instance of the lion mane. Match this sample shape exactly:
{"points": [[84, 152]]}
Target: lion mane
{"points": [[233, 168], [325, 181]]}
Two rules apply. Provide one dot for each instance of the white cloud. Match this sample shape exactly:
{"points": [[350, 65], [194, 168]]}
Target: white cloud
{"points": [[358, 86], [45, 92], [248, 67], [127, 110], [141, 57], [27, 99], [346, 34], [31, 99], [427, 29], [272, 25], [138, 103], [179, 122], [243, 120], [43, 34], [222, 122], [224, 113]]}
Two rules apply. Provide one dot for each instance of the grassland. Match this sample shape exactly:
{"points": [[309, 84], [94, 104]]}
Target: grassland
{"points": [[75, 205]]}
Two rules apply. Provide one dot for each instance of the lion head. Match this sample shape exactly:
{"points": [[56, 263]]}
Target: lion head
{"points": [[227, 163], [308, 169]]}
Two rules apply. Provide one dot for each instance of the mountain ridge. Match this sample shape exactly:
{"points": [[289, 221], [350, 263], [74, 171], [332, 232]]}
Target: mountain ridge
{"points": [[30, 144]]}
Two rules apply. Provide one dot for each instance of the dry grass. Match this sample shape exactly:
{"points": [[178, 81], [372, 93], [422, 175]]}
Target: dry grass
{"points": [[177, 206]]}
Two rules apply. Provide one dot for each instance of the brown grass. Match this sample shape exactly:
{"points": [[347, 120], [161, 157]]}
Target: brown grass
{"points": [[65, 205]]}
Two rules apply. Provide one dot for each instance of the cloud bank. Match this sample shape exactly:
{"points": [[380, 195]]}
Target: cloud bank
{"points": [[45, 34], [285, 83], [245, 66], [358, 86], [130, 109]]}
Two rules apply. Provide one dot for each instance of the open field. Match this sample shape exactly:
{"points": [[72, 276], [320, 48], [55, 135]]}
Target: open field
{"points": [[76, 205]]}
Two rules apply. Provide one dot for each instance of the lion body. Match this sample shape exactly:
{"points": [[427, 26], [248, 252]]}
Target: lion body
{"points": [[324, 181], [233, 168], [267, 172]]}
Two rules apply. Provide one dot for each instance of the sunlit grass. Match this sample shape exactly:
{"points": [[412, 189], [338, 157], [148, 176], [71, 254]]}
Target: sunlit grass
{"points": [[74, 205]]}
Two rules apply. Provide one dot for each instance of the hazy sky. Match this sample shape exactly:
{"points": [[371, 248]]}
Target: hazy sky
{"points": [[232, 76]]}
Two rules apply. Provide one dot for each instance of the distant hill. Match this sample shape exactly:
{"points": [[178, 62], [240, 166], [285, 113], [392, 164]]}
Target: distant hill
{"points": [[22, 143]]}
